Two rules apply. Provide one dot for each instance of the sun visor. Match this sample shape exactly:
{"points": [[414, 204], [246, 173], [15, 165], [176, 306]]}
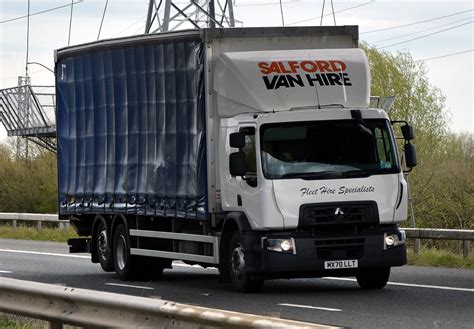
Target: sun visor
{"points": [[280, 80]]}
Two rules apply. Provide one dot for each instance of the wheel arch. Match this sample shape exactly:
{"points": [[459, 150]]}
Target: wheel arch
{"points": [[235, 221], [117, 219]]}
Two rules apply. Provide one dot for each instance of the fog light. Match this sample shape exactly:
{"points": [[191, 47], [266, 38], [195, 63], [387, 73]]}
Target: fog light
{"points": [[394, 239]]}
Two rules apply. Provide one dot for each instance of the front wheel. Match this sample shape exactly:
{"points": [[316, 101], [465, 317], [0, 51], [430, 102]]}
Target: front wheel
{"points": [[373, 278], [237, 269]]}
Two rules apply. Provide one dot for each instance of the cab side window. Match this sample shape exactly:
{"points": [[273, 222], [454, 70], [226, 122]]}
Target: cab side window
{"points": [[383, 148], [250, 156]]}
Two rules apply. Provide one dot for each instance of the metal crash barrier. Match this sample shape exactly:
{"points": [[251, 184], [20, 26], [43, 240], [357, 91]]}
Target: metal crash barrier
{"points": [[64, 305]]}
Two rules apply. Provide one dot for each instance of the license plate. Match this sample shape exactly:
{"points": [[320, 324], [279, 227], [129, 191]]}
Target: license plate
{"points": [[337, 264]]}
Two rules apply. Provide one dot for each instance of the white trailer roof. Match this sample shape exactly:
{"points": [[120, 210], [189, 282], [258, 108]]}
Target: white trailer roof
{"points": [[280, 80]]}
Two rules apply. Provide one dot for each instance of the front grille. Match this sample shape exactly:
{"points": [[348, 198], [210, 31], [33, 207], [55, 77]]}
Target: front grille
{"points": [[338, 213], [335, 249]]}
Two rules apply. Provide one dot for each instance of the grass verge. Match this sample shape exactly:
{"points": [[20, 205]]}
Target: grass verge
{"points": [[9, 321], [440, 258], [31, 233]]}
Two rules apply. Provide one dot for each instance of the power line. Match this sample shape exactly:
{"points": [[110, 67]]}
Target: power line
{"points": [[447, 55], [282, 17], [30, 63], [336, 12], [421, 31], [424, 36], [322, 13], [27, 40], [102, 20], [419, 22], [16, 76], [260, 4], [70, 25], [333, 13], [141, 19], [40, 12]]}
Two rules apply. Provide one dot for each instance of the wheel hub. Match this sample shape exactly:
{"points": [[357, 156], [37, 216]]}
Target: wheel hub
{"points": [[102, 244], [238, 261]]}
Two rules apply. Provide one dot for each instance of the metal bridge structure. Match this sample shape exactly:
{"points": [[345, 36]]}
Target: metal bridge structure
{"points": [[29, 111], [171, 15]]}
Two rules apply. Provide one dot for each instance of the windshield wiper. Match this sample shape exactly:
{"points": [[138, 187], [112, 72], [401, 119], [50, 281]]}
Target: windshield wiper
{"points": [[313, 175], [358, 173]]}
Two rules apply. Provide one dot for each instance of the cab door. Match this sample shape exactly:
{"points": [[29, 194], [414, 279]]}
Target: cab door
{"points": [[248, 192]]}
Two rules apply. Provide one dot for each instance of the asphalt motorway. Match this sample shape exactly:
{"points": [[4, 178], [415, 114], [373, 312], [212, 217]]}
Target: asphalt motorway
{"points": [[416, 297]]}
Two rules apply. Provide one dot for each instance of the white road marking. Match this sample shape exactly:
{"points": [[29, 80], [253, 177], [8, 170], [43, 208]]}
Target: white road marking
{"points": [[312, 307], [6, 272], [197, 266], [44, 253], [128, 286], [409, 285]]}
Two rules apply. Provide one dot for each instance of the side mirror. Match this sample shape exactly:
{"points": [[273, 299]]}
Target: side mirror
{"points": [[237, 140], [410, 155], [407, 132], [237, 164]]}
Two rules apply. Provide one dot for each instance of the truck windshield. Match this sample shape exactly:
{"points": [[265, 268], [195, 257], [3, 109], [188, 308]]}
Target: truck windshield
{"points": [[328, 149]]}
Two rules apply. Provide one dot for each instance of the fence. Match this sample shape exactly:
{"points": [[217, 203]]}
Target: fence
{"points": [[64, 305], [466, 236], [38, 218]]}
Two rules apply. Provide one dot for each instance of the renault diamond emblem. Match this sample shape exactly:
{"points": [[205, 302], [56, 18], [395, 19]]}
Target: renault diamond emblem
{"points": [[338, 212]]}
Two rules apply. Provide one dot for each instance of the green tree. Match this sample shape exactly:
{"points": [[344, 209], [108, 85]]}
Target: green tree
{"points": [[27, 185], [442, 185]]}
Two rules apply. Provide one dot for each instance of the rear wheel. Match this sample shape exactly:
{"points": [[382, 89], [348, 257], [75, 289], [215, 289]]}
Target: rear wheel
{"points": [[373, 278], [237, 268], [102, 247], [132, 267], [125, 264]]}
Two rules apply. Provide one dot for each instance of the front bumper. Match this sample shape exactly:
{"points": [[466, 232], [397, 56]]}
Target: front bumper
{"points": [[311, 252]]}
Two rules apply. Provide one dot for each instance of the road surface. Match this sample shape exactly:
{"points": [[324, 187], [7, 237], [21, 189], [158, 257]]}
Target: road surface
{"points": [[416, 297]]}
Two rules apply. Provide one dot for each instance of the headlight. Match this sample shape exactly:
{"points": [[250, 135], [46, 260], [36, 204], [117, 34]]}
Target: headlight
{"points": [[389, 240], [394, 239], [286, 246]]}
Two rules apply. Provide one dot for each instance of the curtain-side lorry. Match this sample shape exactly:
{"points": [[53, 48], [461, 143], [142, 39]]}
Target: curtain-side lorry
{"points": [[252, 150]]}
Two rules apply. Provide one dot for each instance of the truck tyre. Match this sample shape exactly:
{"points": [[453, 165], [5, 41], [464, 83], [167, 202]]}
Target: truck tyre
{"points": [[102, 247], [373, 278], [126, 265], [236, 267]]}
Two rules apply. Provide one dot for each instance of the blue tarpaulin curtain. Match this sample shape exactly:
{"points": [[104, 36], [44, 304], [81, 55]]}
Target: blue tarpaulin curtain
{"points": [[131, 130]]}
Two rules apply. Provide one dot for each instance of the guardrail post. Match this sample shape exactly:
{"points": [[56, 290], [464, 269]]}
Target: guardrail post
{"points": [[14, 223], [61, 226], [466, 246], [38, 225], [417, 246]]}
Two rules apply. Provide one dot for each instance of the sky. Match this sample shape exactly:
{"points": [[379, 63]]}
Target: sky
{"points": [[452, 74]]}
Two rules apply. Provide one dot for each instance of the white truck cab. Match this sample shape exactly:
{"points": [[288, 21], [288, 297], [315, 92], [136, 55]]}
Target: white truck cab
{"points": [[313, 170]]}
